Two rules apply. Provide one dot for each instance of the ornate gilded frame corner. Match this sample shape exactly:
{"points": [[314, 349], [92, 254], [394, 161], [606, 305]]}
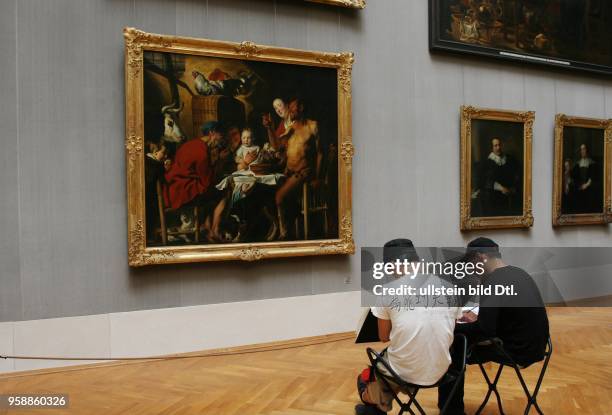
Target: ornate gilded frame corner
{"points": [[468, 222], [353, 4], [558, 218], [136, 42]]}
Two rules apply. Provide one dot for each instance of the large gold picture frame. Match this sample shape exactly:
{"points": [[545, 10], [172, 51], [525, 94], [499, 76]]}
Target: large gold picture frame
{"points": [[564, 212], [354, 4], [520, 125], [137, 43]]}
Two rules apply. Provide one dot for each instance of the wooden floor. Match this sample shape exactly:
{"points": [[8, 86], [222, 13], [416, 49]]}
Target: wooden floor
{"points": [[320, 379]]}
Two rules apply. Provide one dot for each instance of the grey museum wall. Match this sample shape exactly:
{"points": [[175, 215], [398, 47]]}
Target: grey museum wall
{"points": [[62, 170]]}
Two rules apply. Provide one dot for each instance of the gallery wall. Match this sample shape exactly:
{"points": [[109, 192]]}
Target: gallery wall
{"points": [[63, 249]]}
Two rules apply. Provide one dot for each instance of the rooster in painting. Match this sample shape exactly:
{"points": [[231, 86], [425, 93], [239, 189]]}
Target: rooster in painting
{"points": [[221, 83], [205, 87]]}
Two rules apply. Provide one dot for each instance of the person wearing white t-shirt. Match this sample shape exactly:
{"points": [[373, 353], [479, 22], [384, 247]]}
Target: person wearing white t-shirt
{"points": [[419, 340]]}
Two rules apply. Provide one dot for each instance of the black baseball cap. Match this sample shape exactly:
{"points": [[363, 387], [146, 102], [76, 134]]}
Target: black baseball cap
{"points": [[483, 246], [399, 249]]}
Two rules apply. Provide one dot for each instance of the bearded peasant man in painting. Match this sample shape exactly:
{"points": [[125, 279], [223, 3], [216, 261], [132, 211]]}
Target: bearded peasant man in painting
{"points": [[249, 151]]}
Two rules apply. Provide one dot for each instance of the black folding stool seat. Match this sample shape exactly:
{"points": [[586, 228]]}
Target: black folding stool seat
{"points": [[508, 361], [453, 375]]}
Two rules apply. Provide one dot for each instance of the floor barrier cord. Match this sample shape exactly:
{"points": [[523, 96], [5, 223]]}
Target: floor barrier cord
{"points": [[260, 349]]}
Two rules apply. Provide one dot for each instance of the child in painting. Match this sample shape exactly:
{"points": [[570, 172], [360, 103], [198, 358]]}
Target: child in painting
{"points": [[247, 153], [568, 181], [567, 199]]}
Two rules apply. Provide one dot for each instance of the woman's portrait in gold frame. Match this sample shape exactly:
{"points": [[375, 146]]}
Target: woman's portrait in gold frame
{"points": [[582, 192]]}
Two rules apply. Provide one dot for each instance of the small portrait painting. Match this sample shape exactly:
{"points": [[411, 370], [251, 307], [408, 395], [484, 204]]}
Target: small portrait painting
{"points": [[495, 168], [582, 171]]}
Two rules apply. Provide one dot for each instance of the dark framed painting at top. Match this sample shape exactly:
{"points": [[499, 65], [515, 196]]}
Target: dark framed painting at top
{"points": [[495, 168], [573, 34], [235, 151], [582, 192], [353, 4]]}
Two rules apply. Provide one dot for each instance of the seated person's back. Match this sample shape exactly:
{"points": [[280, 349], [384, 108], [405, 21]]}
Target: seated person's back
{"points": [[420, 332], [420, 340], [520, 321]]}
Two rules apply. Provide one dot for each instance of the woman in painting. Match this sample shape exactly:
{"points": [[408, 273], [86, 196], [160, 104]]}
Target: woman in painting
{"points": [[283, 127], [588, 192]]}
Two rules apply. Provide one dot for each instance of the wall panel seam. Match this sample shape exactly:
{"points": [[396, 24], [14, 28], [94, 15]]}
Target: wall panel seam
{"points": [[18, 138]]}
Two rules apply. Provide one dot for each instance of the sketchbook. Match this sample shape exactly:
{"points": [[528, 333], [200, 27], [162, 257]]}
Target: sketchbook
{"points": [[367, 328]]}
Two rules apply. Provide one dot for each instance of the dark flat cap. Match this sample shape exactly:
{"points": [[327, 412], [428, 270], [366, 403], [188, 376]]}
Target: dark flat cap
{"points": [[399, 249], [483, 245]]}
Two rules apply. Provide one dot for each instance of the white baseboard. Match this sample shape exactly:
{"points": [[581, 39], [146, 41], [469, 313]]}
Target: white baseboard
{"points": [[176, 330]]}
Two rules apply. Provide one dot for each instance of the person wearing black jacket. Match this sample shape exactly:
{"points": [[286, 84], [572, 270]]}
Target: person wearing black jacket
{"points": [[519, 320]]}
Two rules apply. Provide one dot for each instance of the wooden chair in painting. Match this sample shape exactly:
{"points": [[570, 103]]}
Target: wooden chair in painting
{"points": [[313, 203], [163, 211]]}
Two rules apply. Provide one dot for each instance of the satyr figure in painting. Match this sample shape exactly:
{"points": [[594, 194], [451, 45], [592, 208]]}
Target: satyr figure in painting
{"points": [[501, 182], [303, 165]]}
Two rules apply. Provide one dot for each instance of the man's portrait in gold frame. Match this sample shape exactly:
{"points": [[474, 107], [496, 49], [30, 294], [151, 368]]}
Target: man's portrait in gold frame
{"points": [[235, 151], [582, 192], [495, 168]]}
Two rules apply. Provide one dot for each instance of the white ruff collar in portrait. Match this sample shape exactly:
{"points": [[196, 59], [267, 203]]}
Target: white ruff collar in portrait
{"points": [[500, 161]]}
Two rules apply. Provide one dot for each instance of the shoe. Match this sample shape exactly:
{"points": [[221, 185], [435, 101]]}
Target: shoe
{"points": [[362, 409], [451, 412], [361, 387]]}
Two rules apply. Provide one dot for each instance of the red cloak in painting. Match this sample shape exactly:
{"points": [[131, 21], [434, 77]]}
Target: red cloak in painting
{"points": [[280, 130], [191, 174]]}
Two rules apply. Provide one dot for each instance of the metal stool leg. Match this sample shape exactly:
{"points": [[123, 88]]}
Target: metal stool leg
{"points": [[531, 399], [418, 406], [403, 406], [408, 406], [492, 389]]}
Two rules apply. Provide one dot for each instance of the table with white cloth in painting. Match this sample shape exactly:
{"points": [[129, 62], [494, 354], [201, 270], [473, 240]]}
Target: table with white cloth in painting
{"points": [[244, 182]]}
